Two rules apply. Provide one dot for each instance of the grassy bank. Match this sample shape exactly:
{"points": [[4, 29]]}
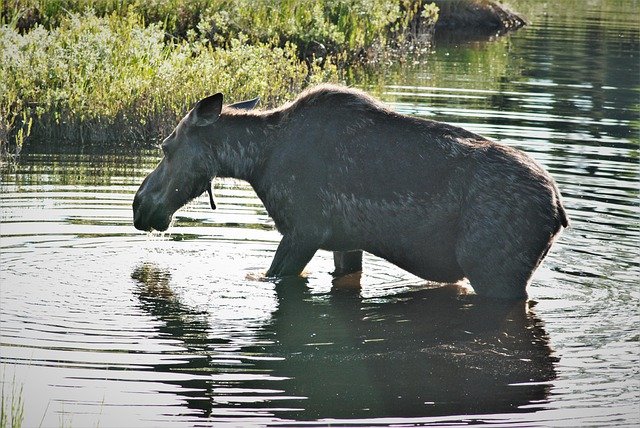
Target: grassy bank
{"points": [[112, 79], [106, 71], [340, 25]]}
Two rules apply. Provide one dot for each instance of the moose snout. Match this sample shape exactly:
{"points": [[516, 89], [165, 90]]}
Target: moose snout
{"points": [[138, 218], [149, 213]]}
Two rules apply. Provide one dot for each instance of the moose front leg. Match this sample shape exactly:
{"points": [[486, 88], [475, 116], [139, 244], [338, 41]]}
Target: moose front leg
{"points": [[292, 255], [347, 262]]}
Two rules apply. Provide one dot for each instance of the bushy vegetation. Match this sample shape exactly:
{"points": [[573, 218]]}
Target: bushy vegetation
{"points": [[125, 70], [102, 79], [340, 25]]}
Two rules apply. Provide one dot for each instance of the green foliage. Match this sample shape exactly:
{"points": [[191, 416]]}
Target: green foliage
{"points": [[102, 79], [126, 70], [338, 24]]}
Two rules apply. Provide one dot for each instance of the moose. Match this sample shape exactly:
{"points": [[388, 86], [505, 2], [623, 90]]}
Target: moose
{"points": [[338, 170]]}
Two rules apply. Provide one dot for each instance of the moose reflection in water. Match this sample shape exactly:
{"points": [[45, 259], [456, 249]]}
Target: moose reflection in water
{"points": [[428, 352]]}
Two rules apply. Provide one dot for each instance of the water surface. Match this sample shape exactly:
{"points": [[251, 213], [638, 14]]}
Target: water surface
{"points": [[101, 325]]}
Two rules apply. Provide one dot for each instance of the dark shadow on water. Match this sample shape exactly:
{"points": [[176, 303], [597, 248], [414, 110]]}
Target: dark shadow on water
{"points": [[429, 352]]}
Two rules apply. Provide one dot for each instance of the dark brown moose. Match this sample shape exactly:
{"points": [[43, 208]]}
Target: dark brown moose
{"points": [[337, 170]]}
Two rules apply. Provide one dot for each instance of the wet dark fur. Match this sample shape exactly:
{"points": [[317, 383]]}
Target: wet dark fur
{"points": [[339, 171]]}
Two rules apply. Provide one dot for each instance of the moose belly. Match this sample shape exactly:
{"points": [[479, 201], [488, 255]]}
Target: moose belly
{"points": [[416, 237]]}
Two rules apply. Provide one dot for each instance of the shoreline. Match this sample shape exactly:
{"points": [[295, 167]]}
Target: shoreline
{"points": [[102, 80]]}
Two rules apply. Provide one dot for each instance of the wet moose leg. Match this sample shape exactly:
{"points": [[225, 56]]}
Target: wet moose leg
{"points": [[291, 257], [347, 262]]}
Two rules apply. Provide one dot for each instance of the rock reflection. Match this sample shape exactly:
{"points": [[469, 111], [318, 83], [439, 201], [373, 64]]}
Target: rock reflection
{"points": [[429, 352]]}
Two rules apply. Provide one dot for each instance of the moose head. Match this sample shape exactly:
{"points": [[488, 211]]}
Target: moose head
{"points": [[185, 171]]}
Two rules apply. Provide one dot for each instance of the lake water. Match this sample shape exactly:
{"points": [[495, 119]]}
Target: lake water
{"points": [[101, 325]]}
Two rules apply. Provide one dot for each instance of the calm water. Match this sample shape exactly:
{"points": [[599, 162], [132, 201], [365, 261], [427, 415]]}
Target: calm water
{"points": [[101, 325]]}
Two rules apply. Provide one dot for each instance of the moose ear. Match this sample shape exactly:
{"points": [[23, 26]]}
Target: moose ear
{"points": [[207, 110], [246, 105]]}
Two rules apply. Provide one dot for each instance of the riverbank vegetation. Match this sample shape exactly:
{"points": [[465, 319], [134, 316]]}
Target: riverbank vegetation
{"points": [[107, 71], [106, 79], [339, 25], [124, 71]]}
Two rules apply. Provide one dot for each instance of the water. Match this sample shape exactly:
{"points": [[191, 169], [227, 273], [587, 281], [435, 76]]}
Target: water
{"points": [[101, 325]]}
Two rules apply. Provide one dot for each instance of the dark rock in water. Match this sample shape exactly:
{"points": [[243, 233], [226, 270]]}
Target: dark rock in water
{"points": [[475, 19]]}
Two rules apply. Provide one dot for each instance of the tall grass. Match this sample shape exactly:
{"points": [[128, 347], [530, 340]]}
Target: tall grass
{"points": [[338, 24], [11, 405], [107, 79], [105, 71]]}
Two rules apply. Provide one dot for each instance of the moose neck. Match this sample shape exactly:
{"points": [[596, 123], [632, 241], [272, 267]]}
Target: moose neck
{"points": [[243, 146]]}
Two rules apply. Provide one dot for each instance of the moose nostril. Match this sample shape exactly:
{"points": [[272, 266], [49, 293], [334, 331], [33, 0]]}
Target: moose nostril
{"points": [[137, 200], [138, 213], [138, 222]]}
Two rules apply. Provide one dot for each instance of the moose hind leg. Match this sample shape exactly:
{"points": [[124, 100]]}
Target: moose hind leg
{"points": [[500, 263], [347, 262], [510, 284]]}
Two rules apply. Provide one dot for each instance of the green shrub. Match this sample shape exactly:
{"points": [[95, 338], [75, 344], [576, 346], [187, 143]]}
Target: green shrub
{"points": [[341, 25], [125, 70], [106, 79]]}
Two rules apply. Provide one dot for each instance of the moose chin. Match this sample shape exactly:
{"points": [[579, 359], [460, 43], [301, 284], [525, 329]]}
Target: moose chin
{"points": [[338, 170]]}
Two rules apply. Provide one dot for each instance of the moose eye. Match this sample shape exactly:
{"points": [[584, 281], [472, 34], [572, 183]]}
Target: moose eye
{"points": [[167, 143], [166, 149]]}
